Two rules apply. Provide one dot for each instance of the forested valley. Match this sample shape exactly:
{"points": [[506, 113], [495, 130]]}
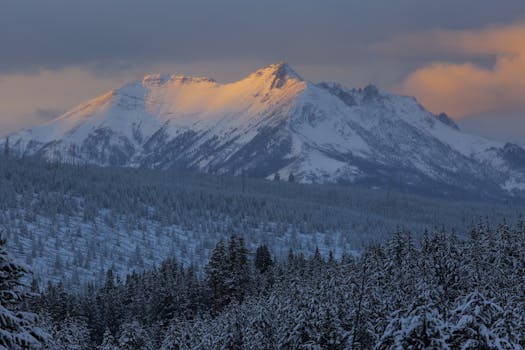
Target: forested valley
{"points": [[73, 222]]}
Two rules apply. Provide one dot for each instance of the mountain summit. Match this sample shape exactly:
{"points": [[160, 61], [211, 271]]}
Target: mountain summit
{"points": [[274, 122], [278, 74]]}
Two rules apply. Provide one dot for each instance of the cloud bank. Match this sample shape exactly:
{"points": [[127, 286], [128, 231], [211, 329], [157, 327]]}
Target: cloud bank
{"points": [[469, 88]]}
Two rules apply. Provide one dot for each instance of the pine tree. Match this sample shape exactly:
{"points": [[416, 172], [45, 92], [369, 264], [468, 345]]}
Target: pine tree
{"points": [[234, 339], [263, 260], [217, 275], [237, 269], [71, 334], [260, 334], [18, 329], [419, 327], [134, 337], [108, 342], [441, 265], [332, 335], [109, 303], [477, 324], [360, 330], [177, 337]]}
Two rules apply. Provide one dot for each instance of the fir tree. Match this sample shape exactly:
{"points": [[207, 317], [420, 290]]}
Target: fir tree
{"points": [[419, 327], [134, 337], [71, 334], [217, 275], [263, 259], [177, 338], [477, 325], [108, 342], [238, 268], [18, 327]]}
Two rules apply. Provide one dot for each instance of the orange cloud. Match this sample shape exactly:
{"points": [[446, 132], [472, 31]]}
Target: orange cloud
{"points": [[467, 89]]}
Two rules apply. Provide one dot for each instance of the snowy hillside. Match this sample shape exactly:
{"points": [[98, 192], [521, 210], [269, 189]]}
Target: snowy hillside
{"points": [[72, 223], [274, 122]]}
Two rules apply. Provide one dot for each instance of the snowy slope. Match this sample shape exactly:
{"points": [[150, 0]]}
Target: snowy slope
{"points": [[275, 122]]}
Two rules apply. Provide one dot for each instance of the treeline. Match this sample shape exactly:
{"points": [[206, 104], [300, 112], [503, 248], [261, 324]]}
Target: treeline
{"points": [[442, 292], [176, 196]]}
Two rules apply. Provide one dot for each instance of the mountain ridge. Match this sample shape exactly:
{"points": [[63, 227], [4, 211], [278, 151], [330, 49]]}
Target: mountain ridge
{"points": [[275, 122]]}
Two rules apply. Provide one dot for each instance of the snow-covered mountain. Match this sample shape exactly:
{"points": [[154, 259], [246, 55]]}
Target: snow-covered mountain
{"points": [[274, 122]]}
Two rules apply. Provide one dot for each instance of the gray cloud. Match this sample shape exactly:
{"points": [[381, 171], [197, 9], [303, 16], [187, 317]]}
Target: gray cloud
{"points": [[45, 114], [505, 127], [54, 34]]}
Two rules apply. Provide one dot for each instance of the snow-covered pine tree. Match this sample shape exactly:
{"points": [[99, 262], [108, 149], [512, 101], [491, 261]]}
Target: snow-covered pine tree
{"points": [[108, 342], [441, 270], [238, 268], [216, 276], [332, 335], [260, 334], [134, 337], [233, 337], [478, 324], [71, 334], [356, 315], [177, 337], [263, 259], [18, 329], [418, 327]]}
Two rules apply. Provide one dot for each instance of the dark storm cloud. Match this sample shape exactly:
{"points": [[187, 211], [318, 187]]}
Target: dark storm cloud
{"points": [[122, 33]]}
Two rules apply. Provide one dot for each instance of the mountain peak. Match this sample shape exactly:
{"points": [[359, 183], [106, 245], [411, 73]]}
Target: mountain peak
{"points": [[159, 79], [281, 68], [277, 73]]}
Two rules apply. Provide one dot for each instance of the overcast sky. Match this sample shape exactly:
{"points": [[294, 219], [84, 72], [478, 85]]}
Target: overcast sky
{"points": [[466, 58]]}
